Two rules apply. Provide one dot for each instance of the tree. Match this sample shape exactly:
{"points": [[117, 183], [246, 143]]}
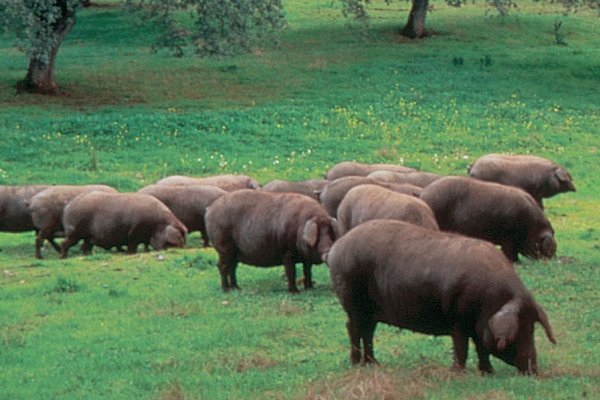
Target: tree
{"points": [[415, 25], [218, 27], [40, 26]]}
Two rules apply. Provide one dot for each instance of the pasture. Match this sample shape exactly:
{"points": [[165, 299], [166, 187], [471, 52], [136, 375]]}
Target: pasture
{"points": [[156, 325]]}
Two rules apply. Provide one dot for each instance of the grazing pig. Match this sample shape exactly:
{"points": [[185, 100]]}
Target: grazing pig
{"points": [[268, 229], [120, 219], [47, 209], [310, 188], [348, 168], [538, 176], [366, 202], [434, 283], [225, 182], [332, 194], [417, 178], [15, 215], [188, 203], [501, 214]]}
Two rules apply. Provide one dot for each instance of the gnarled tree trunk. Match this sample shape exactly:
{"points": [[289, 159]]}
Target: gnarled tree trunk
{"points": [[415, 26], [40, 74]]}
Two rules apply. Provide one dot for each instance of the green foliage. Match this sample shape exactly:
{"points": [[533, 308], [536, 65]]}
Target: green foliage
{"points": [[214, 27], [33, 22], [64, 285]]}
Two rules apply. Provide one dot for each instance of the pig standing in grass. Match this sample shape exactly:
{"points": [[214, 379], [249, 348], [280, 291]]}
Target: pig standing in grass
{"points": [[333, 193], [310, 188], [225, 182], [120, 219], [47, 209], [540, 177], [417, 178], [188, 203], [268, 229], [502, 214], [348, 168], [434, 283], [366, 202], [15, 215]]}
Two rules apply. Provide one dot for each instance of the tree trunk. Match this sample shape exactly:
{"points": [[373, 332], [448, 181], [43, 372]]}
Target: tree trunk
{"points": [[40, 74], [415, 26]]}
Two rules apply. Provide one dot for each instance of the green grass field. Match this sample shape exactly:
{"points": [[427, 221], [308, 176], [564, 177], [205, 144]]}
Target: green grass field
{"points": [[143, 326]]}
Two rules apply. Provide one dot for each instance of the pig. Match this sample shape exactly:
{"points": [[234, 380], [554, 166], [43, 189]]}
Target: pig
{"points": [[225, 182], [348, 168], [434, 283], [366, 202], [417, 178], [504, 215], [15, 215], [47, 207], [268, 229], [310, 188], [120, 219], [332, 194], [540, 177], [188, 203]]}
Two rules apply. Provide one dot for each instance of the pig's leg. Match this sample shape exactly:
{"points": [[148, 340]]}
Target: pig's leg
{"points": [[307, 269], [86, 246], [290, 272], [461, 349], [132, 248], [39, 241], [367, 331], [227, 265], [354, 341], [69, 242], [53, 243], [484, 358], [204, 236]]}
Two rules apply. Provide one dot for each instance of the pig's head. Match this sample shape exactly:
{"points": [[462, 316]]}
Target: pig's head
{"points": [[316, 237], [509, 334], [169, 235], [540, 242], [561, 181]]}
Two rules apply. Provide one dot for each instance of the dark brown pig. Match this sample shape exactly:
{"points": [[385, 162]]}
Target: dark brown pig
{"points": [[348, 168], [417, 178], [366, 202], [188, 203], [310, 188], [438, 284], [332, 194], [120, 219], [225, 182], [501, 214], [268, 229], [540, 177], [47, 209], [15, 215]]}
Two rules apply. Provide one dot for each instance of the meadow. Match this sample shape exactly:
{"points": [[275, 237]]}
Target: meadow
{"points": [[156, 325]]}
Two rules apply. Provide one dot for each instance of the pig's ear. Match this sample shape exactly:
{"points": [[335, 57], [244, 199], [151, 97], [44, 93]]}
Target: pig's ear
{"points": [[504, 325], [564, 179], [310, 233], [543, 318]]}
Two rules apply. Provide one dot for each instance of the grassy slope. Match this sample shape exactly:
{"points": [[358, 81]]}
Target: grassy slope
{"points": [[112, 326]]}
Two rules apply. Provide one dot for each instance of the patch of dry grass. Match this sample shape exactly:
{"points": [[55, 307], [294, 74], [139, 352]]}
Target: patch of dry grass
{"points": [[378, 383]]}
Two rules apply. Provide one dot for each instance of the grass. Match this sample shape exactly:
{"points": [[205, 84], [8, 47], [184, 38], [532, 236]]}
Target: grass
{"points": [[143, 326]]}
